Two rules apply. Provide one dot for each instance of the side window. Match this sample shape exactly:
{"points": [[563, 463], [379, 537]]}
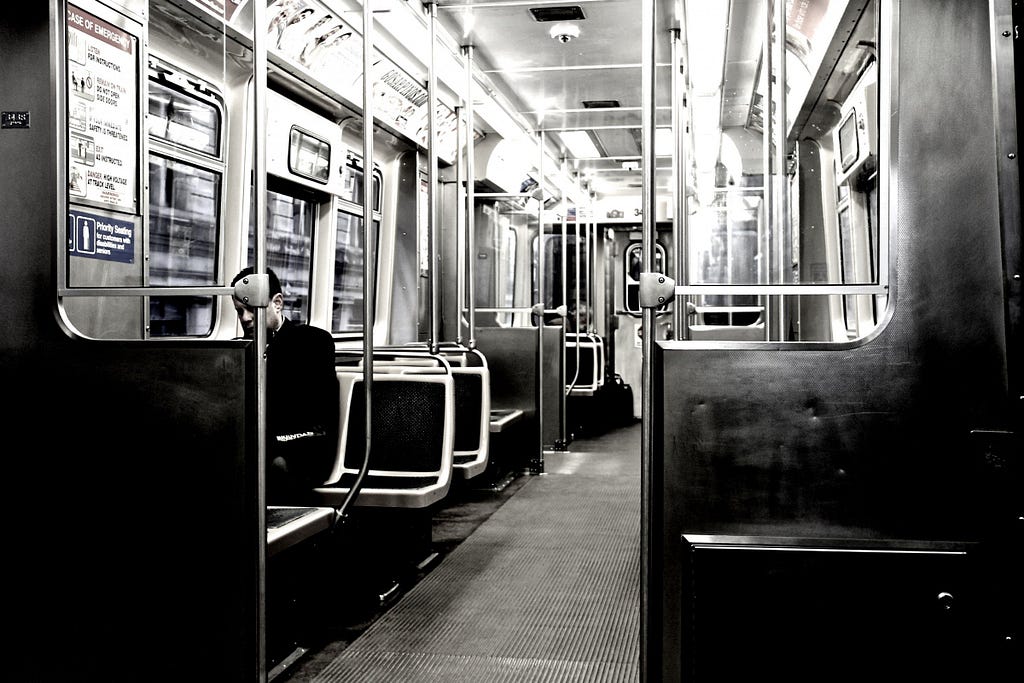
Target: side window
{"points": [[350, 250], [497, 225], [185, 127], [349, 264], [184, 220]]}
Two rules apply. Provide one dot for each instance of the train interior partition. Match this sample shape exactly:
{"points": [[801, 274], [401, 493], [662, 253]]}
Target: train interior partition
{"points": [[829, 496]]}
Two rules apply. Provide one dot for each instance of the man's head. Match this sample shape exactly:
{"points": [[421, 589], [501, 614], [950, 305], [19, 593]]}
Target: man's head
{"points": [[247, 315]]}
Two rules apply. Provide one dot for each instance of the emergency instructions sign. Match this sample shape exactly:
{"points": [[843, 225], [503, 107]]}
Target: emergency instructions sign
{"points": [[102, 81]]}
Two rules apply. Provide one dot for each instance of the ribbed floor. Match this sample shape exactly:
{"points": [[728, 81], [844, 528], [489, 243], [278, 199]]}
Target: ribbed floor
{"points": [[547, 589]]}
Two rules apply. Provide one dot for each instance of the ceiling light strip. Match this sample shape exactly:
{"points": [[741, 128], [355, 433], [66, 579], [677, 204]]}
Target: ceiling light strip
{"points": [[582, 67], [497, 4]]}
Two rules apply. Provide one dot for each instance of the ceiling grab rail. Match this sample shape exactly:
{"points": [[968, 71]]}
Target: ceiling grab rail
{"points": [[369, 267]]}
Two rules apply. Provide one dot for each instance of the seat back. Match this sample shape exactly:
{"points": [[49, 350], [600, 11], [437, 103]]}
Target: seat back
{"points": [[411, 448], [584, 363], [472, 385], [472, 413]]}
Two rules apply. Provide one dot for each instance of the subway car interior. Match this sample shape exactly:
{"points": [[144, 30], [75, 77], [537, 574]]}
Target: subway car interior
{"points": [[673, 340]]}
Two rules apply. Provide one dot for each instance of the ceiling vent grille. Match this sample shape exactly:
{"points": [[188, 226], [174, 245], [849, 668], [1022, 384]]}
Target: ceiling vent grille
{"points": [[566, 13], [600, 104]]}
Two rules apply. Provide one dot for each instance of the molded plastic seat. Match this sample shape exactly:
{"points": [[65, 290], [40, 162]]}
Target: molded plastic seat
{"points": [[472, 399], [412, 442]]}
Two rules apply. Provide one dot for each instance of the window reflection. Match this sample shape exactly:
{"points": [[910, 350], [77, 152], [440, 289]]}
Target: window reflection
{"points": [[494, 267], [184, 212], [183, 120], [353, 183], [505, 277], [349, 264], [309, 156]]}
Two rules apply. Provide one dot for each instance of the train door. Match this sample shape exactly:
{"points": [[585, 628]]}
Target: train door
{"points": [[556, 287], [841, 481], [625, 251]]}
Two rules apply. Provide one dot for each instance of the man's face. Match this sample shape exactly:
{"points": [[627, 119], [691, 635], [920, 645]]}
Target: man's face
{"points": [[246, 316]]}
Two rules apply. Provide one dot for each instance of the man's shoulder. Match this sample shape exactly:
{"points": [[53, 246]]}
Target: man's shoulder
{"points": [[302, 333], [305, 328]]}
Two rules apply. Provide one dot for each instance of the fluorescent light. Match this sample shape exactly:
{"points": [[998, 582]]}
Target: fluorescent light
{"points": [[705, 45], [579, 144], [706, 133], [705, 114], [662, 142]]}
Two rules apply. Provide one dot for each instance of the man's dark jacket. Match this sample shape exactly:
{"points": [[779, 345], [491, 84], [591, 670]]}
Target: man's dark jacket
{"points": [[302, 412]]}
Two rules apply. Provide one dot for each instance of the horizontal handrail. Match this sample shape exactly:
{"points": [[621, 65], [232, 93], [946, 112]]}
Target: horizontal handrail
{"points": [[687, 290]]}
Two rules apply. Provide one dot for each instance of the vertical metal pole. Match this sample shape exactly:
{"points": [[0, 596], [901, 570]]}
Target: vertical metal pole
{"points": [[539, 464], [781, 193], [595, 236], [576, 318], [680, 169], [648, 498], [591, 258], [433, 243], [563, 438], [369, 263], [767, 209], [565, 237], [576, 293], [259, 198], [470, 199], [460, 227], [370, 258]]}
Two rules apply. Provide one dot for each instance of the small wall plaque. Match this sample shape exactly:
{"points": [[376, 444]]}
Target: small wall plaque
{"points": [[14, 119]]}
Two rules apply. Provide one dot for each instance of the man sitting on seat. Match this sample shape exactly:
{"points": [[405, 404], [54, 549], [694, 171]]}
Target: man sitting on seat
{"points": [[302, 399]]}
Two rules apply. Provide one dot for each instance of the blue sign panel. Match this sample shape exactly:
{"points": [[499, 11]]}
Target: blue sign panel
{"points": [[100, 237]]}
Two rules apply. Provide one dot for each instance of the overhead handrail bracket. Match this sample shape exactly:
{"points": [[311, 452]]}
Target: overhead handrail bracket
{"points": [[253, 290]]}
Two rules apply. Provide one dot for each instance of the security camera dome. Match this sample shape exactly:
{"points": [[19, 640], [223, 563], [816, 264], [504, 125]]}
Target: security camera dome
{"points": [[564, 31]]}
